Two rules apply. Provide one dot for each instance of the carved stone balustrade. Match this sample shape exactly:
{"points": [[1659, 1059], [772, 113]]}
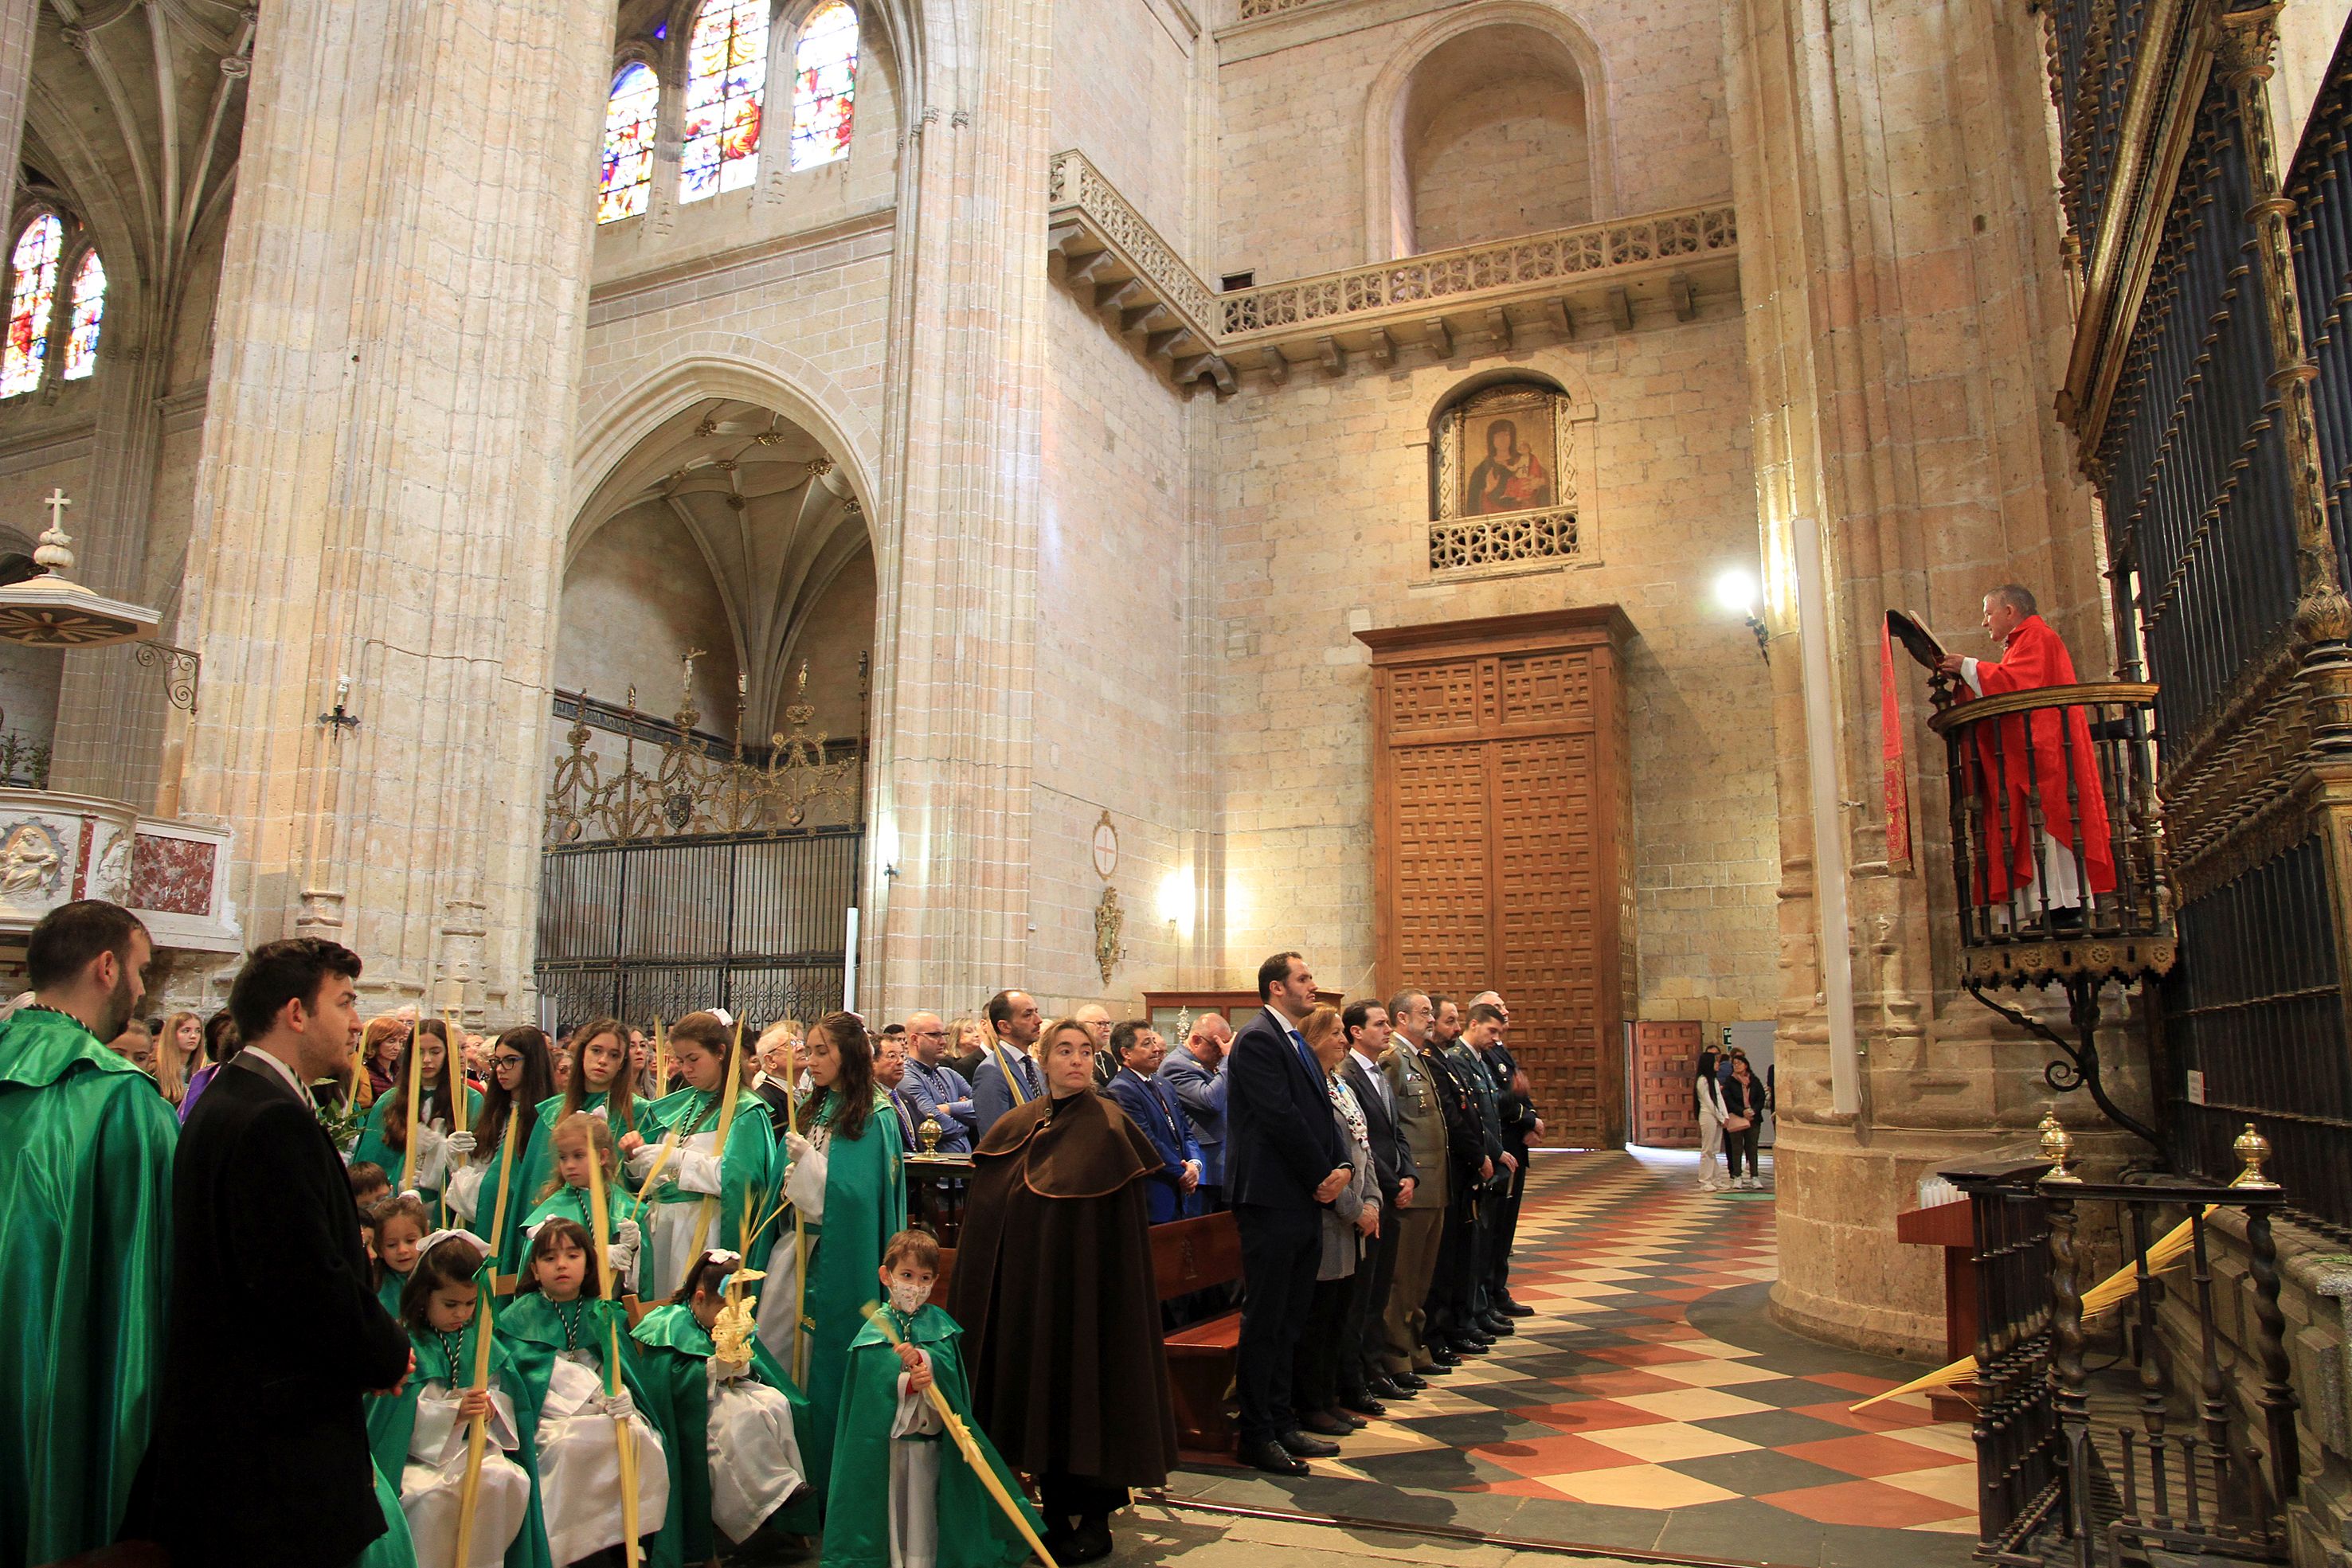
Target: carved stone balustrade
{"points": [[1481, 298]]}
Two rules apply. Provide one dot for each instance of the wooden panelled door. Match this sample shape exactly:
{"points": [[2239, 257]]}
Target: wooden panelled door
{"points": [[1501, 801], [1666, 1056]]}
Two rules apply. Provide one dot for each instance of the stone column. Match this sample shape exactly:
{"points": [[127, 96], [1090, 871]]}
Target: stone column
{"points": [[19, 20], [953, 725], [1908, 312], [383, 490]]}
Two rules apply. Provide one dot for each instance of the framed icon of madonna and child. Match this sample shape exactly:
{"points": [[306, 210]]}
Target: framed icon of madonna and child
{"points": [[1505, 449]]}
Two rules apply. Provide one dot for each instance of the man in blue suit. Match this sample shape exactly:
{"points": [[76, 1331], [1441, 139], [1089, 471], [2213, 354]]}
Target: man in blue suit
{"points": [[1007, 1076], [1283, 1163], [1196, 1076], [1150, 1105]]}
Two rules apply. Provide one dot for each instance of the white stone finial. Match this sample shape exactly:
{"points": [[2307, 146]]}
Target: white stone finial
{"points": [[55, 551]]}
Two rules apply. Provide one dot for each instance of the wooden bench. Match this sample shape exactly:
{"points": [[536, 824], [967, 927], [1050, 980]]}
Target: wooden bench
{"points": [[1187, 1255]]}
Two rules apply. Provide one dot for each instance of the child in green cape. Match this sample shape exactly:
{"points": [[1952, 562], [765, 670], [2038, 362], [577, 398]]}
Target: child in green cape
{"points": [[559, 1331], [576, 1140], [735, 1426], [848, 1179], [521, 1079], [935, 1511], [399, 1223], [385, 1139], [602, 1078], [694, 1178], [419, 1434]]}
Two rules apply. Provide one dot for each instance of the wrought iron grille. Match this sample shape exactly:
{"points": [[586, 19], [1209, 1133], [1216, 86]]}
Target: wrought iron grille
{"points": [[2256, 1012], [2194, 478], [655, 927]]}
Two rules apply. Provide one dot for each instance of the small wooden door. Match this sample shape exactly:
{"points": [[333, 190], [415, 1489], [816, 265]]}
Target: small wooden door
{"points": [[1501, 801], [1666, 1055]]}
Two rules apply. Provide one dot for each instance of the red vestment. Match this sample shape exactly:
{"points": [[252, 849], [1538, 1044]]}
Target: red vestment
{"points": [[2036, 656]]}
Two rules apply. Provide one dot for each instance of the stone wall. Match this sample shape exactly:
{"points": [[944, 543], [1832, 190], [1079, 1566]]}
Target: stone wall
{"points": [[1322, 512]]}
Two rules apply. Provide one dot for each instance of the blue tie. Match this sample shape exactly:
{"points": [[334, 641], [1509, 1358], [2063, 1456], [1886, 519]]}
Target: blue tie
{"points": [[1298, 1043]]}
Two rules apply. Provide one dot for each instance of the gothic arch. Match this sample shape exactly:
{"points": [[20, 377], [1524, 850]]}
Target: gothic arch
{"points": [[702, 366], [1388, 202]]}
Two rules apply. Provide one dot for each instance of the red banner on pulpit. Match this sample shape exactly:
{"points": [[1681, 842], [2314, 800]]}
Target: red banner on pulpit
{"points": [[1890, 730]]}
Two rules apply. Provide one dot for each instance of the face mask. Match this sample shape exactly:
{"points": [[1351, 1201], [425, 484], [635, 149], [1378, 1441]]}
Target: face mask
{"points": [[909, 1299]]}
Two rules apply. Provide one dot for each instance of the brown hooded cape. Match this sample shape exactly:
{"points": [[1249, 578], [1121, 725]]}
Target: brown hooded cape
{"points": [[1054, 1287]]}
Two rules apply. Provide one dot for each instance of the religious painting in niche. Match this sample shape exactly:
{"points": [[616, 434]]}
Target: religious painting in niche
{"points": [[1504, 452], [824, 86], [726, 77], [88, 316]]}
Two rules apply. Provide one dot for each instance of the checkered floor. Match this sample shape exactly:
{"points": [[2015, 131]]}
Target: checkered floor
{"points": [[1649, 1406]]}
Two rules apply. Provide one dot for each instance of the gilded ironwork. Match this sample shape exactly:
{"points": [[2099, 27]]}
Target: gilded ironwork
{"points": [[689, 791], [1110, 919]]}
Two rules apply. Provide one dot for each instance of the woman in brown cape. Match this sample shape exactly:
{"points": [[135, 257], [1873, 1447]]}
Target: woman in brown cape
{"points": [[1053, 1288]]}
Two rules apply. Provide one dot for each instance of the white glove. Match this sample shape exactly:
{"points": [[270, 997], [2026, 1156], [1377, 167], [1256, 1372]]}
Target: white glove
{"points": [[459, 1144], [626, 1241], [728, 1371], [617, 1405], [801, 1147]]}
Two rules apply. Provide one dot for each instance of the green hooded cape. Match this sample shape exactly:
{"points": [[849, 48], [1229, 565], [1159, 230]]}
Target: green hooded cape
{"points": [[86, 1146], [865, 1206], [373, 1145], [531, 1333], [973, 1532], [747, 1168], [674, 1352], [391, 1421], [506, 1249], [394, 1548], [538, 1161]]}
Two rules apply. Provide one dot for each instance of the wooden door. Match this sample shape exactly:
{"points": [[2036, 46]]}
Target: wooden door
{"points": [[1666, 1055], [1500, 798]]}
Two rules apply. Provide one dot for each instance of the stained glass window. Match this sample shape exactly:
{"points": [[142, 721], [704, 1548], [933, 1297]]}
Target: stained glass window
{"points": [[824, 84], [30, 303], [629, 116], [88, 314], [726, 71]]}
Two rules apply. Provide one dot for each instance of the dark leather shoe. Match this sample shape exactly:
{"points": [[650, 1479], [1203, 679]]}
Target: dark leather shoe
{"points": [[1512, 1308], [1361, 1408], [1326, 1423], [1442, 1361], [1304, 1447], [1386, 1386], [1407, 1382], [1478, 1346], [1497, 1325], [1341, 1412], [1270, 1456]]}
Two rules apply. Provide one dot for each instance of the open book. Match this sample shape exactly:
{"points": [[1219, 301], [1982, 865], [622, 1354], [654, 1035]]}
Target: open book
{"points": [[1916, 640]]}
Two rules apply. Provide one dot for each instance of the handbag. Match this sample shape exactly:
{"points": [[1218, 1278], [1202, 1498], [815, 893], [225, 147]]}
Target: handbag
{"points": [[1737, 1124]]}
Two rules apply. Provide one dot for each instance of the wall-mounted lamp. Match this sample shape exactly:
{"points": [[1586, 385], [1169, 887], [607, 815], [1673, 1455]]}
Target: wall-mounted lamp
{"points": [[340, 718], [1176, 902], [1735, 592]]}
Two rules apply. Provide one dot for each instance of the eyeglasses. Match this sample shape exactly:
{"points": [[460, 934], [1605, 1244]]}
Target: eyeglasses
{"points": [[929, 1034], [503, 1062]]}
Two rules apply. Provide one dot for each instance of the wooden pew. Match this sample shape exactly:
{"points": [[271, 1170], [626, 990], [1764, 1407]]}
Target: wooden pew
{"points": [[1187, 1255]]}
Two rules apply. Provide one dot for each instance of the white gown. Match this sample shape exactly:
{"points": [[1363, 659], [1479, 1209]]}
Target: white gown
{"points": [[805, 1191], [433, 1482], [915, 1438], [754, 1455], [579, 1465], [696, 1168]]}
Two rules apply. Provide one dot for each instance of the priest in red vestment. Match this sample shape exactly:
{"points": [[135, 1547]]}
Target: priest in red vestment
{"points": [[2040, 876]]}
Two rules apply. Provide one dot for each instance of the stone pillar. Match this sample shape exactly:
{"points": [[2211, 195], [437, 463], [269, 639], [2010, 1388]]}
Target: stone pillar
{"points": [[1907, 318], [953, 727], [384, 486], [19, 20]]}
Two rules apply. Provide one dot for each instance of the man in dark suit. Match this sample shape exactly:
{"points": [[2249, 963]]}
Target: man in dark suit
{"points": [[1151, 1105], [773, 1051], [1452, 1309], [1283, 1163], [276, 1334], [1363, 1368], [1007, 1076], [1515, 1104]]}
